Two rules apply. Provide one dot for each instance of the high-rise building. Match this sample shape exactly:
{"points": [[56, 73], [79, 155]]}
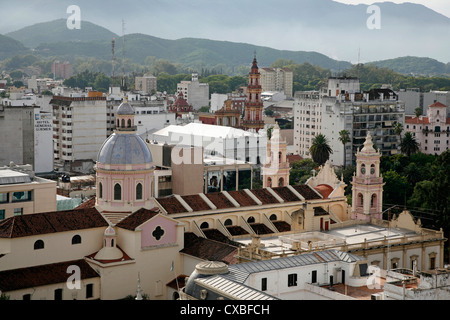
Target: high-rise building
{"points": [[195, 92], [79, 130], [253, 114], [277, 79], [146, 84]]}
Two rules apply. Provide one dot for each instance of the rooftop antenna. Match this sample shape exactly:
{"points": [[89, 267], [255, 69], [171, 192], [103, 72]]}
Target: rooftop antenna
{"points": [[123, 56], [113, 44]]}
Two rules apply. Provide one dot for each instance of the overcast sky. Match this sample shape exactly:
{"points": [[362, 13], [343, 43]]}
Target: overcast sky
{"points": [[441, 6]]}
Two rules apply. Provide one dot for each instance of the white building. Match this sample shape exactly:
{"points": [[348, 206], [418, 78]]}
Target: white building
{"points": [[277, 79], [414, 98], [79, 130], [194, 92], [227, 142], [299, 277]]}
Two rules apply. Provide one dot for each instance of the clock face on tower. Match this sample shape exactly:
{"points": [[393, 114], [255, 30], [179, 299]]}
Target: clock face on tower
{"points": [[363, 170], [372, 170]]}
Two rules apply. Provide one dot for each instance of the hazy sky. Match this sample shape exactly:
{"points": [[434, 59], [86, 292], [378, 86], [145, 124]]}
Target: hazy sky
{"points": [[441, 6]]}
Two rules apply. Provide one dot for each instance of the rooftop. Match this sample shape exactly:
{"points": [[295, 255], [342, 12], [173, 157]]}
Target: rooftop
{"points": [[8, 176]]}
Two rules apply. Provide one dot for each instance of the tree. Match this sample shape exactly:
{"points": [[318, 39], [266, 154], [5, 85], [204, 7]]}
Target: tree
{"points": [[301, 171], [408, 144], [320, 149], [418, 111], [344, 137]]}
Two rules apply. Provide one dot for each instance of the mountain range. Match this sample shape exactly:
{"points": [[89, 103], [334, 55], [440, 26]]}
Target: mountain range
{"points": [[412, 38]]}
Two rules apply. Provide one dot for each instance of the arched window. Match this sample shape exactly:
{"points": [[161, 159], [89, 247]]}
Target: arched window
{"points": [[228, 222], [118, 123], [39, 244], [204, 225], [280, 182], [269, 182], [273, 217], [117, 192], [76, 239], [251, 220], [123, 123], [373, 200], [139, 191], [129, 123], [100, 190], [360, 199]]}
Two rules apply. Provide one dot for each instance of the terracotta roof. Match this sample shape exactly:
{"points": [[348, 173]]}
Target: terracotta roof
{"points": [[324, 190], [171, 205], [416, 120], [242, 198], [178, 283], [136, 219], [87, 204], [437, 105], [293, 157], [37, 276], [236, 230], [286, 194], [260, 228], [51, 222], [306, 192], [282, 226], [219, 200], [211, 250], [196, 202], [264, 196], [215, 234]]}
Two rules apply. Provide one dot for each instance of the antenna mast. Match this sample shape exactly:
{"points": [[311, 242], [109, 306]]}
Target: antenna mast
{"points": [[123, 56], [113, 44]]}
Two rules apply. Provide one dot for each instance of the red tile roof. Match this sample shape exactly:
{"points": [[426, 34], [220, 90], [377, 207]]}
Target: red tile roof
{"points": [[51, 222], [87, 204], [171, 205], [196, 202], [324, 190], [137, 218], [242, 198], [416, 120], [286, 194], [37, 276], [265, 196], [438, 105], [306, 192], [211, 250], [219, 200], [293, 157]]}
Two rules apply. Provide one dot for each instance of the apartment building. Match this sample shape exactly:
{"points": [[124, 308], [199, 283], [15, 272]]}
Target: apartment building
{"points": [[431, 132], [79, 130], [277, 79], [342, 106], [194, 92], [414, 98], [146, 84]]}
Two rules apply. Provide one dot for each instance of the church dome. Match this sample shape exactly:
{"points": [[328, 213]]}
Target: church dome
{"points": [[124, 149], [125, 109]]}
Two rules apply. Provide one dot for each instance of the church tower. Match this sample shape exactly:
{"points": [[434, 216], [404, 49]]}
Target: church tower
{"points": [[276, 168], [253, 109], [367, 183], [125, 170]]}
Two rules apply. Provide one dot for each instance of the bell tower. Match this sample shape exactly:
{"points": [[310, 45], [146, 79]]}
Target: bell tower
{"points": [[367, 183], [253, 109], [276, 168]]}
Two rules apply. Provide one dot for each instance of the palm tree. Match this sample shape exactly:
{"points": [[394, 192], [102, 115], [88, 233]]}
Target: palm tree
{"points": [[398, 129], [344, 137], [409, 145], [320, 149]]}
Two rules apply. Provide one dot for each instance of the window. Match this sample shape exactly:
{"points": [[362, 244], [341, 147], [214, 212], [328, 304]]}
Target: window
{"points": [[292, 280], [18, 211], [204, 225], [117, 192], [4, 197], [251, 220], [139, 191], [263, 284], [39, 244], [76, 239], [228, 222], [2, 214], [314, 276], [100, 190], [21, 196], [89, 290], [58, 294]]}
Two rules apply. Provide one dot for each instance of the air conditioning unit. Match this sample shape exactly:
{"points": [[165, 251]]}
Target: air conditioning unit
{"points": [[376, 296]]}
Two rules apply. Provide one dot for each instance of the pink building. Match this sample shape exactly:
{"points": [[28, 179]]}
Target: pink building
{"points": [[125, 170], [431, 132]]}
